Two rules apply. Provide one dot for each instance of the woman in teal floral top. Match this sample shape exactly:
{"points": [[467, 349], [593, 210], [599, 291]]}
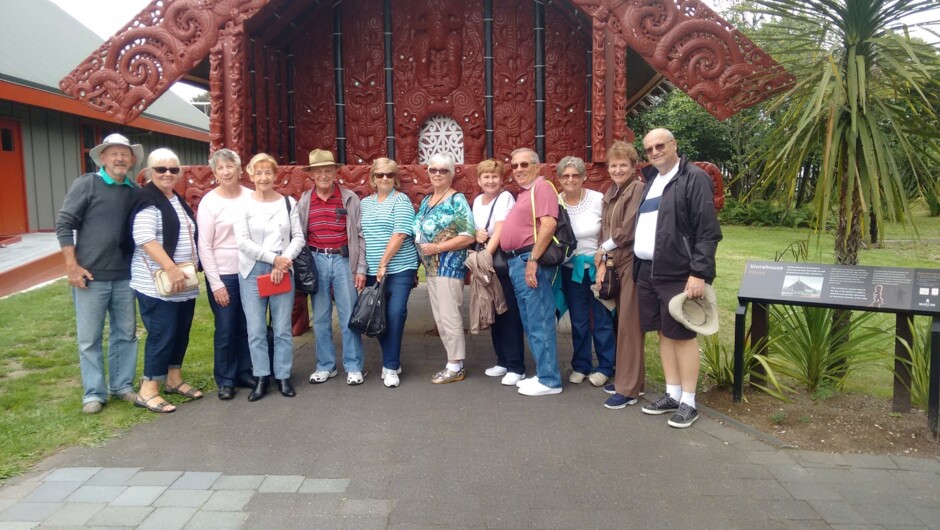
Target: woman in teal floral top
{"points": [[443, 230]]}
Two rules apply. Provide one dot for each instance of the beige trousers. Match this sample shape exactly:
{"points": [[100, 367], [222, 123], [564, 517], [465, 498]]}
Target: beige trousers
{"points": [[446, 296]]}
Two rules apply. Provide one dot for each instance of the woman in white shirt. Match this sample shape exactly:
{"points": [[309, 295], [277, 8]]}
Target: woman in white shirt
{"points": [[218, 252], [489, 212], [269, 237], [164, 235], [590, 320]]}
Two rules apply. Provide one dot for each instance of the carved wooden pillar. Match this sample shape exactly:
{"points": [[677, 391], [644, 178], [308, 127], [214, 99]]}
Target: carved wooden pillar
{"points": [[589, 107], [619, 110], [488, 73], [338, 81], [291, 118], [539, 31], [226, 91], [389, 87], [598, 90]]}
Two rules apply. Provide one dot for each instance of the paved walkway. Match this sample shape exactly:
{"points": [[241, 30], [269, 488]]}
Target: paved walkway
{"points": [[472, 454]]}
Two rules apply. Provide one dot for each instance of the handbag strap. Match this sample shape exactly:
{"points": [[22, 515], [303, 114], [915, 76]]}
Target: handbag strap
{"points": [[192, 248], [532, 200], [490, 217]]}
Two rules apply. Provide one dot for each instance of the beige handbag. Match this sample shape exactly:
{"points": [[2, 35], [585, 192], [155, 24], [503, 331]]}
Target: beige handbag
{"points": [[161, 278]]}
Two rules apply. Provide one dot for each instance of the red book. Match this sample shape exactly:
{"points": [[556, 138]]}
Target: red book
{"points": [[267, 288]]}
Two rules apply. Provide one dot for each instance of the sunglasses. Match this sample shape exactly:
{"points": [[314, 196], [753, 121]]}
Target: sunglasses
{"points": [[164, 169], [437, 171], [523, 165], [383, 175], [657, 147], [569, 177]]}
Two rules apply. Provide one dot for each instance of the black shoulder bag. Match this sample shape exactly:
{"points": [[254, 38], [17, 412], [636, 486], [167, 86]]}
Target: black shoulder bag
{"points": [[305, 269]]}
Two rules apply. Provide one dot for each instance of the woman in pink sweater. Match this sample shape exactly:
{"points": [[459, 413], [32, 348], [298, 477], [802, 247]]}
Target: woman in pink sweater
{"points": [[218, 253]]}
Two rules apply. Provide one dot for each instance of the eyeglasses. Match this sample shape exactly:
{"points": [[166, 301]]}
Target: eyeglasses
{"points": [[438, 171], [383, 175], [657, 147], [569, 177], [164, 169], [523, 165]]}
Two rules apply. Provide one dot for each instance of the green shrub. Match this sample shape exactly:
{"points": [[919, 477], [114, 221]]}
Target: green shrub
{"points": [[814, 354], [760, 212], [718, 365], [919, 365]]}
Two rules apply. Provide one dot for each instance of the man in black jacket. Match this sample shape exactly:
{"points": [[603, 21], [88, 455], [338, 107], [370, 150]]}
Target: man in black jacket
{"points": [[677, 234]]}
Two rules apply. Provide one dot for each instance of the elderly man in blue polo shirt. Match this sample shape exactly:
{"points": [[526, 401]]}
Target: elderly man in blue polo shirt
{"points": [[90, 227]]}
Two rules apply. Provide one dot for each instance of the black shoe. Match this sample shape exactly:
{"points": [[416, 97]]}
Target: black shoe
{"points": [[259, 390], [684, 417], [286, 389], [226, 392], [251, 382]]}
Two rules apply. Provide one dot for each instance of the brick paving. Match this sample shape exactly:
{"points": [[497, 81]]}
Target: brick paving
{"points": [[472, 454]]}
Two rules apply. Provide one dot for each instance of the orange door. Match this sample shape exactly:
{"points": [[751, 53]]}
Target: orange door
{"points": [[13, 218]]}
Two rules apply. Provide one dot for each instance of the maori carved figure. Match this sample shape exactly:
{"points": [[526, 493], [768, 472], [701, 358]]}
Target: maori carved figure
{"points": [[620, 84], [697, 50], [161, 45], [565, 83], [363, 44], [513, 77], [314, 88], [226, 91], [599, 78], [438, 70]]}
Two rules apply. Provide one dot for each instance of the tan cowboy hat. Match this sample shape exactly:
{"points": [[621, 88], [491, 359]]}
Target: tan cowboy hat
{"points": [[117, 139], [697, 314], [320, 158]]}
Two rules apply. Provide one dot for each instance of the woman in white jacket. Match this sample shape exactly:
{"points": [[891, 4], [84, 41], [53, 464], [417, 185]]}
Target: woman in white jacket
{"points": [[269, 238]]}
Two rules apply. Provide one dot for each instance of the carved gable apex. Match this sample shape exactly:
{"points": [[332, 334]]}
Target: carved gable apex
{"points": [[698, 51], [156, 49]]}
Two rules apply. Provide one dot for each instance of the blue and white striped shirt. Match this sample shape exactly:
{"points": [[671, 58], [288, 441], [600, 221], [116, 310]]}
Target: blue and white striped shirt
{"points": [[380, 220]]}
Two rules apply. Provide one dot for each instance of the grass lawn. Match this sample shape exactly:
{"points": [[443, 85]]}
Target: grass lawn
{"points": [[40, 390]]}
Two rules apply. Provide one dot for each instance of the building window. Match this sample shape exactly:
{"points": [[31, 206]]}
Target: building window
{"points": [[440, 134]]}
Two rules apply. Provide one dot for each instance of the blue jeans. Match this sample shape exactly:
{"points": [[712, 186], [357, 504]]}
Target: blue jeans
{"points": [[507, 333], [114, 299], [589, 320], [168, 325], [537, 309], [333, 271], [397, 290], [232, 357], [256, 310]]}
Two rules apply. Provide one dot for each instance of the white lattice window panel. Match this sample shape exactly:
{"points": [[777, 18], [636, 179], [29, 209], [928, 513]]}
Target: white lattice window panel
{"points": [[440, 134]]}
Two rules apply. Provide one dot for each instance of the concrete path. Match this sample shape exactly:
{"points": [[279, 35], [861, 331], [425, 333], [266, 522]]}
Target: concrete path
{"points": [[472, 454]]}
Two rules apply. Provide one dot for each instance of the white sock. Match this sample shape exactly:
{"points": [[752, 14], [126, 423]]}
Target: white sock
{"points": [[455, 367], [688, 398], [674, 391]]}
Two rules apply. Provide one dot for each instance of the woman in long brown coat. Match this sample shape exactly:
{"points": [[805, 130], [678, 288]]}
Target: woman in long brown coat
{"points": [[618, 228]]}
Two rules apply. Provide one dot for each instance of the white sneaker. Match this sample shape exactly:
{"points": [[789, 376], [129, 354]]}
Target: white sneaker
{"points": [[512, 379], [354, 378], [527, 381], [496, 371], [390, 377], [321, 376], [576, 378], [538, 389], [597, 379]]}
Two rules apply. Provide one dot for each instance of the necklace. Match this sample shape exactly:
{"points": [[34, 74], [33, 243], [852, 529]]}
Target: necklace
{"points": [[444, 196], [580, 198]]}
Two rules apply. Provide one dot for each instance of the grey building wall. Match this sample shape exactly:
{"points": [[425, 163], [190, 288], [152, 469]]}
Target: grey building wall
{"points": [[52, 154]]}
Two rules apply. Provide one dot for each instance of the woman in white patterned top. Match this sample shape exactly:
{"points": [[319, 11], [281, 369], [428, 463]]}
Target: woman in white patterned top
{"points": [[164, 235], [590, 320]]}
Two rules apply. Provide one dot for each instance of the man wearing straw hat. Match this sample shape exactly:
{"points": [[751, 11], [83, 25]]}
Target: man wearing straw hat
{"points": [[90, 227], [331, 220], [677, 234]]}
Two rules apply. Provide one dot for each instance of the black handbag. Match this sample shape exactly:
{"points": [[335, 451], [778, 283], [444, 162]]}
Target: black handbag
{"points": [[610, 283], [500, 262], [563, 242], [305, 269], [369, 314]]}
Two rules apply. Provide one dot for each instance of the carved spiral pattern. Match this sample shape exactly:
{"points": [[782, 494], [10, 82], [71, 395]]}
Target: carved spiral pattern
{"points": [[695, 49]]}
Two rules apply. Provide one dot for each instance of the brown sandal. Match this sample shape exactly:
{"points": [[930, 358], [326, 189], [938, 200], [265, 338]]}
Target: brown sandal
{"points": [[191, 392], [161, 407]]}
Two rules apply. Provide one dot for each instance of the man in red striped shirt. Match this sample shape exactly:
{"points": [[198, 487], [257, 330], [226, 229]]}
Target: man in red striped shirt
{"points": [[330, 216]]}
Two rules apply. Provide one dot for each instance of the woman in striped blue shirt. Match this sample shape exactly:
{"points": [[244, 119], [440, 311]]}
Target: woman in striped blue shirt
{"points": [[387, 224]]}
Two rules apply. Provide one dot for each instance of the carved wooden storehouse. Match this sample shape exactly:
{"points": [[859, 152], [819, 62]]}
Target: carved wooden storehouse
{"points": [[408, 78]]}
